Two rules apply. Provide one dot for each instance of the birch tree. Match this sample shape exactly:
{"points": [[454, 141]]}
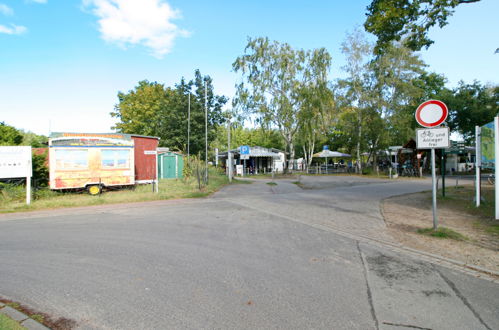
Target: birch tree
{"points": [[357, 51], [273, 76]]}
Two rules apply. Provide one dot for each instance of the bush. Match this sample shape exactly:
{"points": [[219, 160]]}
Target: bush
{"points": [[40, 170], [367, 171], [10, 192]]}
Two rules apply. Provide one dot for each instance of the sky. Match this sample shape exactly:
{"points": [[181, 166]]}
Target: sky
{"points": [[62, 62]]}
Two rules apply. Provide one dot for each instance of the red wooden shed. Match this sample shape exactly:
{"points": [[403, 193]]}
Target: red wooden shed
{"points": [[145, 158]]}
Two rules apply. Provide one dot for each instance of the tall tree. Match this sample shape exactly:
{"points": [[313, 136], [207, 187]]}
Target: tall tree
{"points": [[355, 90], [240, 135], [394, 20], [471, 105], [9, 135], [381, 92], [396, 91], [273, 76], [153, 109], [317, 115]]}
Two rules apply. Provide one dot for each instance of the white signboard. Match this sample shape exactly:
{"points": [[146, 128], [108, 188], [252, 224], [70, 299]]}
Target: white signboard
{"points": [[432, 138], [239, 169], [150, 152], [244, 156], [15, 162]]}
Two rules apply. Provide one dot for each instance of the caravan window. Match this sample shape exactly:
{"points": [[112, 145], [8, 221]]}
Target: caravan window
{"points": [[115, 158], [68, 159]]}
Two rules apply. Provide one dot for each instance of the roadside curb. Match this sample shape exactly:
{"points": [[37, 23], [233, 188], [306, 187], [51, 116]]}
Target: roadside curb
{"points": [[22, 318]]}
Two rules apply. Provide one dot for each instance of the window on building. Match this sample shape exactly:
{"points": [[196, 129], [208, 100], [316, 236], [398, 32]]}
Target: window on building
{"points": [[115, 158], [70, 159]]}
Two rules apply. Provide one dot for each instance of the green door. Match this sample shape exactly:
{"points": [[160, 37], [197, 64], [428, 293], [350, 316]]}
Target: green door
{"points": [[170, 166]]}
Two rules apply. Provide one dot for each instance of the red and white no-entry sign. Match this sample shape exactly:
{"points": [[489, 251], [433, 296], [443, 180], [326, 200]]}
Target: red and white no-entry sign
{"points": [[431, 113]]}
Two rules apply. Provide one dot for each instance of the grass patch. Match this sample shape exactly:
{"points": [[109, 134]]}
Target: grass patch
{"points": [[37, 317], [462, 199], [168, 189], [443, 232], [13, 305], [6, 323], [272, 183], [296, 182]]}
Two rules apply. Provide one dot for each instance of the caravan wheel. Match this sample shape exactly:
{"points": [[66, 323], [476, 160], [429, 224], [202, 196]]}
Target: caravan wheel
{"points": [[94, 190]]}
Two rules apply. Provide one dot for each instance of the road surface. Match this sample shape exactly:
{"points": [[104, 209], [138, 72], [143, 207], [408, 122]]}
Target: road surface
{"points": [[252, 256]]}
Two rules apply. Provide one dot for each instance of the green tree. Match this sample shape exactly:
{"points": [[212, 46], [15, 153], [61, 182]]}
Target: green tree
{"points": [[40, 169], [408, 20], [396, 92], [9, 135], [156, 110], [317, 115], [273, 76], [240, 135], [355, 90], [471, 105], [34, 140], [382, 92]]}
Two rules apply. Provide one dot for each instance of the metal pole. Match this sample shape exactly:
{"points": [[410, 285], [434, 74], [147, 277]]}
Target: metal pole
{"points": [[442, 169], [28, 190], [478, 161], [157, 174], [496, 153], [434, 189], [229, 154], [206, 133], [188, 126]]}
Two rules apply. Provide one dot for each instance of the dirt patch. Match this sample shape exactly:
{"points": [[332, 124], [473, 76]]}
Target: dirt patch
{"points": [[404, 215]]}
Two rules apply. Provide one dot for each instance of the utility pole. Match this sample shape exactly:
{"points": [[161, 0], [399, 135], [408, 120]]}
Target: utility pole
{"points": [[206, 133], [188, 125], [229, 154]]}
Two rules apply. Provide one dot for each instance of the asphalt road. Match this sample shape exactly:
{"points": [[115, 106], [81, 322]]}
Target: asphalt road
{"points": [[253, 256]]}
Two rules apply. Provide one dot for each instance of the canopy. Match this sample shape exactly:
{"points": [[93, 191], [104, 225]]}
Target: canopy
{"points": [[330, 154]]}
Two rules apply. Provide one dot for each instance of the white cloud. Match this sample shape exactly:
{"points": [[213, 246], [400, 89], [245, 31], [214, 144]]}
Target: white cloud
{"points": [[6, 10], [137, 22], [39, 1], [13, 29]]}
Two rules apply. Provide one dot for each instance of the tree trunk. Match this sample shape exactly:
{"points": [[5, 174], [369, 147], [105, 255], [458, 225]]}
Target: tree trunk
{"points": [[311, 154], [359, 136]]}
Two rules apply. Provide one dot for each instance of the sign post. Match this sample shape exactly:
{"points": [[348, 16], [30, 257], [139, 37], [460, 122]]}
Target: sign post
{"points": [[431, 114], [244, 152], [325, 148]]}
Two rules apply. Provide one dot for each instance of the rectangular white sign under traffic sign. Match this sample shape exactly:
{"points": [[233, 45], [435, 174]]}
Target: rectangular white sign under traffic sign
{"points": [[243, 157], [433, 138], [15, 162]]}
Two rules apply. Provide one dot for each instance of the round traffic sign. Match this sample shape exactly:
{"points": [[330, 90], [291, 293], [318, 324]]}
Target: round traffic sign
{"points": [[431, 113]]}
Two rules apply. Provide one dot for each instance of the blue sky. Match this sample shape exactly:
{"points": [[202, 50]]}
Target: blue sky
{"points": [[62, 62]]}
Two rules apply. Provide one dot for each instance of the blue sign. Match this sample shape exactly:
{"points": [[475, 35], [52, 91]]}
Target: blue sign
{"points": [[244, 150], [325, 148]]}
